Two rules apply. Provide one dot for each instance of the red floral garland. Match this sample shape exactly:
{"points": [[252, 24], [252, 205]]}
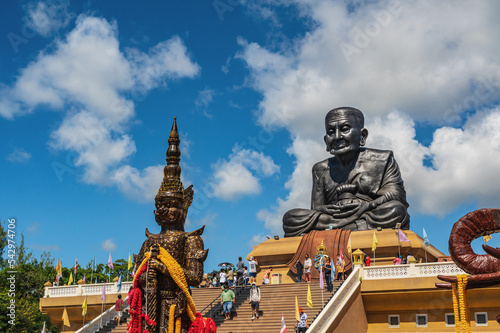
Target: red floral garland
{"points": [[135, 302]]}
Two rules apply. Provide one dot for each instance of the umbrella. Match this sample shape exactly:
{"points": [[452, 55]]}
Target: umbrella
{"points": [[224, 264]]}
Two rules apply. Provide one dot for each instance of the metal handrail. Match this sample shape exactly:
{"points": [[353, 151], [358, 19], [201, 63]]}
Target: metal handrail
{"points": [[102, 320], [212, 308]]}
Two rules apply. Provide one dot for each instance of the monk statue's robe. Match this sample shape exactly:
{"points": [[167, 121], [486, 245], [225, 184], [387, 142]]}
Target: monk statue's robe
{"points": [[372, 178]]}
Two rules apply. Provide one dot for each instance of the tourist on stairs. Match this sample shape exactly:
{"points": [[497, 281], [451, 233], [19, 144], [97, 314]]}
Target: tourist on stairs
{"points": [[255, 300]]}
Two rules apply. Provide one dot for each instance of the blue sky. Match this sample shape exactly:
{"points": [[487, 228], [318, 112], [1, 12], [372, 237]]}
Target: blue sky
{"points": [[88, 92]]}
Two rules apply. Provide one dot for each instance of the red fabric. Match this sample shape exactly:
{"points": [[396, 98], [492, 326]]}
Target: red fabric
{"points": [[135, 302], [368, 261], [117, 304], [334, 240], [202, 325]]}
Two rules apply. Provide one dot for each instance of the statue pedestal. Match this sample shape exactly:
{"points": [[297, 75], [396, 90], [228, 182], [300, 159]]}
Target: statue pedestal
{"points": [[277, 253]]}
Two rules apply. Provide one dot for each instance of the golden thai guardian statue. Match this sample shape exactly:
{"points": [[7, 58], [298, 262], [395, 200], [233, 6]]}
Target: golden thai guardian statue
{"points": [[170, 261]]}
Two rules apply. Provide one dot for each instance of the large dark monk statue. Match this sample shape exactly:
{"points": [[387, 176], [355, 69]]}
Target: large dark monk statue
{"points": [[356, 189]]}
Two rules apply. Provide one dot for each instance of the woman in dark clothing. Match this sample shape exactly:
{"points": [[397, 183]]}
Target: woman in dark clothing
{"points": [[327, 267], [300, 270]]}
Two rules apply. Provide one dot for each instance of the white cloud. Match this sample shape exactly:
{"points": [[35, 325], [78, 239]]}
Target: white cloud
{"points": [[33, 227], [47, 17], [410, 61], [234, 178], [108, 245], [98, 148], [140, 185], [257, 239], [203, 100], [166, 60], [19, 155], [87, 76]]}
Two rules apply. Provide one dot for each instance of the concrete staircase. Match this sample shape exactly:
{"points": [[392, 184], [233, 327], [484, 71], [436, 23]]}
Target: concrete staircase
{"points": [[275, 300], [112, 327]]}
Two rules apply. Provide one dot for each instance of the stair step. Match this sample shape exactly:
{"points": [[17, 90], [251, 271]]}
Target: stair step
{"points": [[276, 300]]}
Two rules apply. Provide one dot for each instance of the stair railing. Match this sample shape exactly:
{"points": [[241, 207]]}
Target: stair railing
{"points": [[332, 309], [215, 308], [102, 320]]}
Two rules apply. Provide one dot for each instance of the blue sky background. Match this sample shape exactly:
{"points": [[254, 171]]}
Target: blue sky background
{"points": [[88, 92]]}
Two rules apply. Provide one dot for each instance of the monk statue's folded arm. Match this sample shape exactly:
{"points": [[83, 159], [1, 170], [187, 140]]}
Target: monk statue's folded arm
{"points": [[318, 195], [392, 185]]}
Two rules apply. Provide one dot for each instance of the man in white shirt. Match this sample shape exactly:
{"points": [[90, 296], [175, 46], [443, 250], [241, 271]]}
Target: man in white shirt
{"points": [[302, 324], [222, 276], [252, 269], [255, 300], [245, 275]]}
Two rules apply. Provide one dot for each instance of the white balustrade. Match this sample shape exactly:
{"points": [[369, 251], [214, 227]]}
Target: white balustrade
{"points": [[411, 270], [87, 289]]}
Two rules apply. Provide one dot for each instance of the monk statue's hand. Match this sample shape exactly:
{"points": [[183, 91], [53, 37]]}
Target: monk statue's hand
{"points": [[340, 210], [363, 208]]}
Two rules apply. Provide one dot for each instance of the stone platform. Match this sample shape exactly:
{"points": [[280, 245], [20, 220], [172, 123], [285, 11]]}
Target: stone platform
{"points": [[277, 253]]}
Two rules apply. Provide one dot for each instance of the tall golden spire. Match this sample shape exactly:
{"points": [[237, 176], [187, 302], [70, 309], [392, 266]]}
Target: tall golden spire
{"points": [[171, 186]]}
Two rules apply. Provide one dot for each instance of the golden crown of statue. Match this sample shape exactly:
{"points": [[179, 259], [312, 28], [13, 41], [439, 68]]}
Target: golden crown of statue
{"points": [[171, 186]]}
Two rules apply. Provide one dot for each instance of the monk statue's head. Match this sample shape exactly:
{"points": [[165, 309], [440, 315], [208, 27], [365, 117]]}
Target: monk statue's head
{"points": [[345, 132]]}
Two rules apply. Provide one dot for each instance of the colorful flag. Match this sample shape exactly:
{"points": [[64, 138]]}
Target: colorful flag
{"points": [[70, 281], [297, 314], [309, 297], [349, 248], [84, 279], [103, 296], [402, 237], [76, 265], [119, 285], [129, 262], [283, 325], [58, 270], [84, 307], [43, 329], [110, 262], [374, 242], [486, 238], [341, 255], [426, 239], [65, 318], [321, 280]]}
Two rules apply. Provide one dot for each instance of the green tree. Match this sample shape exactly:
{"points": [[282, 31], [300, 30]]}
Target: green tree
{"points": [[3, 244], [25, 287]]}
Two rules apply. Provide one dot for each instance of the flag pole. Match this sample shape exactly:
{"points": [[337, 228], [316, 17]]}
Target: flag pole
{"points": [[426, 254], [399, 245]]}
